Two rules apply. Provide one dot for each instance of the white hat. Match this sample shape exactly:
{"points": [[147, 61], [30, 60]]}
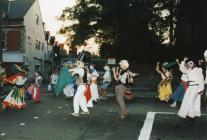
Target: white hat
{"points": [[124, 63], [106, 68], [79, 64], [205, 55]]}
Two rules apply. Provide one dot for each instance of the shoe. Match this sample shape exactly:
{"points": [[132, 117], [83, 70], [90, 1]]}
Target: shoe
{"points": [[85, 113], [173, 105], [123, 116], [75, 114]]}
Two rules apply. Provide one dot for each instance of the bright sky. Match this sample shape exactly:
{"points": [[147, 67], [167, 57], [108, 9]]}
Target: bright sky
{"points": [[50, 9]]}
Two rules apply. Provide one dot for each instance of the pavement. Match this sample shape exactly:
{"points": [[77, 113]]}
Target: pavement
{"points": [[149, 119]]}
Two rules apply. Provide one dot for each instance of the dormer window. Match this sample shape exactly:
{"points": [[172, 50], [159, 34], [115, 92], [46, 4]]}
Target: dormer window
{"points": [[37, 19]]}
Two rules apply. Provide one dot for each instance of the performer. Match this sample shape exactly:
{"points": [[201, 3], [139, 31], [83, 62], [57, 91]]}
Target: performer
{"points": [[191, 104], [178, 95], [205, 57], [164, 87], [79, 99], [93, 87], [120, 75], [16, 96], [36, 91], [105, 83], [54, 79]]}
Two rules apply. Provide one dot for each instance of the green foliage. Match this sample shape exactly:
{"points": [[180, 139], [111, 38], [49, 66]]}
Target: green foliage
{"points": [[135, 28]]}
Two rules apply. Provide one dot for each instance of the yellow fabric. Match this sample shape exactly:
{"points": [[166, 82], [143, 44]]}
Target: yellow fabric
{"points": [[165, 91]]}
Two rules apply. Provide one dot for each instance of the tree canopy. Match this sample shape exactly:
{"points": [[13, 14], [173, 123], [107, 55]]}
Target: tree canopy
{"points": [[139, 29]]}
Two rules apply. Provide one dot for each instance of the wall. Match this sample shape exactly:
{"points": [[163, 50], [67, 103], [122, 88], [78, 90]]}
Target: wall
{"points": [[35, 37]]}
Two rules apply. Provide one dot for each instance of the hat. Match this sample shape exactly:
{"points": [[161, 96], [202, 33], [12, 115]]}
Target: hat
{"points": [[205, 55], [165, 64], [124, 63], [106, 68], [79, 64], [190, 63]]}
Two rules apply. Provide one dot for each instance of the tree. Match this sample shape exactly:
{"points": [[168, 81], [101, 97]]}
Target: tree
{"points": [[132, 28]]}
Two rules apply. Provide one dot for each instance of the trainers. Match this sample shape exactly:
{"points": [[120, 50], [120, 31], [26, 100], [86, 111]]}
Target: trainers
{"points": [[75, 114], [173, 105], [85, 113]]}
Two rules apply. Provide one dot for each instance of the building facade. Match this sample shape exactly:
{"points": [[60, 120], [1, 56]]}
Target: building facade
{"points": [[24, 40]]}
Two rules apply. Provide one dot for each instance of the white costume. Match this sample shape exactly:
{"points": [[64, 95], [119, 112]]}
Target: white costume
{"points": [[192, 100], [205, 57], [93, 86], [79, 99]]}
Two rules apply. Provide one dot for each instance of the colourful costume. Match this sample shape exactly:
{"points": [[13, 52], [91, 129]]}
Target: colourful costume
{"points": [[16, 96], [165, 89]]}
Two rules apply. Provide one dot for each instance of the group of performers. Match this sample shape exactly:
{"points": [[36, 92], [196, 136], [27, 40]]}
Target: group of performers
{"points": [[190, 89], [78, 79], [22, 87], [84, 75]]}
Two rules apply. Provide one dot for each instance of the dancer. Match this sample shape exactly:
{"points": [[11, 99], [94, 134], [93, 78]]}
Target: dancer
{"points": [[205, 57], [53, 80], [37, 85], [79, 99], [93, 87], [164, 87], [178, 95], [105, 83], [120, 75], [191, 104], [16, 97]]}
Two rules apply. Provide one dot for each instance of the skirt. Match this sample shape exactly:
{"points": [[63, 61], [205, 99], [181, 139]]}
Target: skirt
{"points": [[165, 91], [15, 99]]}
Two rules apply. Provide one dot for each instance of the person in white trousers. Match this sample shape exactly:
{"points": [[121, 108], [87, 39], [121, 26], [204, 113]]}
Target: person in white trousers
{"points": [[191, 105], [79, 100]]}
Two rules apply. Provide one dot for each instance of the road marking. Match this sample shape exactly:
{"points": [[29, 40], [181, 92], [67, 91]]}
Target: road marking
{"points": [[3, 134], [22, 124], [35, 117], [148, 123]]}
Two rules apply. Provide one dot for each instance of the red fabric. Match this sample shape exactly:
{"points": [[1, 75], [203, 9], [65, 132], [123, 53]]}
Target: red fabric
{"points": [[11, 78], [88, 93], [128, 94], [185, 84], [36, 98]]}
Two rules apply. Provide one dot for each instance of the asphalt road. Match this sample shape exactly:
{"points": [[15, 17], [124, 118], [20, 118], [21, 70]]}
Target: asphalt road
{"points": [[51, 120]]}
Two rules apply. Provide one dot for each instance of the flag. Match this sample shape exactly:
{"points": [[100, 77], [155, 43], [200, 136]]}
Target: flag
{"points": [[64, 79]]}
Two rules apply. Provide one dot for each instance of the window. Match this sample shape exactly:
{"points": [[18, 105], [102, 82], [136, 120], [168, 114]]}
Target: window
{"points": [[37, 45], [37, 19], [3, 42], [13, 40]]}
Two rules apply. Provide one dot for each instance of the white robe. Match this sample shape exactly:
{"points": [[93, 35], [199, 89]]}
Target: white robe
{"points": [[93, 86], [191, 105], [79, 100]]}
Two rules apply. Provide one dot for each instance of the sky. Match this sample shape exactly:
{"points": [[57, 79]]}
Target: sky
{"points": [[50, 9]]}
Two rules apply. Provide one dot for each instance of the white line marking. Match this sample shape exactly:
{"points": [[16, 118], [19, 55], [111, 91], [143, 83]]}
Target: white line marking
{"points": [[35, 117], [3, 134], [147, 127], [148, 123], [22, 124]]}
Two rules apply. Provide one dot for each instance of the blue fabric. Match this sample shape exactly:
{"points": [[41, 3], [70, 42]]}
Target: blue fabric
{"points": [[179, 93], [105, 85]]}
